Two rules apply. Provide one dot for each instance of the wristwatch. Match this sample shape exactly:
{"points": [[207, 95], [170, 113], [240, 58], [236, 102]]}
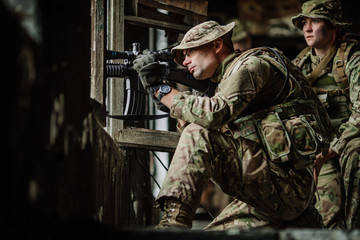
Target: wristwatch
{"points": [[163, 90]]}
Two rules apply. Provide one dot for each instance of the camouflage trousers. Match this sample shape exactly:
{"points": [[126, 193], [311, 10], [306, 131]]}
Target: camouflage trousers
{"points": [[339, 189], [329, 189], [241, 215], [276, 193]]}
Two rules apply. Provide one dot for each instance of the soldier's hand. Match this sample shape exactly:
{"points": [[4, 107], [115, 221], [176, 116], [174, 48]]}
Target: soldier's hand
{"points": [[149, 70], [320, 160]]}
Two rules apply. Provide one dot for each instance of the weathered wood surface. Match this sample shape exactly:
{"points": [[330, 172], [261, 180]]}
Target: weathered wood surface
{"points": [[98, 34], [148, 139], [123, 196], [115, 41], [193, 9], [146, 22], [196, 6]]}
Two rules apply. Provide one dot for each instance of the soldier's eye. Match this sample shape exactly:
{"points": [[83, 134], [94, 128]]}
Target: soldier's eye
{"points": [[304, 22], [188, 52]]}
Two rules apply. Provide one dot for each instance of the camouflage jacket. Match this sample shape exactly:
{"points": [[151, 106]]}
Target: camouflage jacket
{"points": [[351, 128], [253, 83], [244, 106]]}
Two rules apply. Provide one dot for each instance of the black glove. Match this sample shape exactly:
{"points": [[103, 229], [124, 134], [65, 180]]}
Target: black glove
{"points": [[148, 69]]}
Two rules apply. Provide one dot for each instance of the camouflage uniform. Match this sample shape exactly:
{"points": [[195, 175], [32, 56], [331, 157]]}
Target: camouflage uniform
{"points": [[259, 151], [338, 87]]}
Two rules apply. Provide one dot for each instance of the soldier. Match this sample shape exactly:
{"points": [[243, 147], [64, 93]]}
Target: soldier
{"points": [[241, 38], [256, 137], [331, 63]]}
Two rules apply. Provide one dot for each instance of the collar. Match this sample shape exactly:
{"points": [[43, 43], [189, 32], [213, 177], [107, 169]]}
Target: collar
{"points": [[223, 65], [314, 58]]}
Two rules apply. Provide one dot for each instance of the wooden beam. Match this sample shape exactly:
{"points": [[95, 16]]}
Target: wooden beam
{"points": [[147, 139], [145, 22], [196, 10], [198, 7]]}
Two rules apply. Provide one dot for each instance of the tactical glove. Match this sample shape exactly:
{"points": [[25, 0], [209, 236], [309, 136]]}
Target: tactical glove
{"points": [[149, 70]]}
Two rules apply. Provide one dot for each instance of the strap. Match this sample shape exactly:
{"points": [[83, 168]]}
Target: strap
{"points": [[254, 51], [339, 64], [300, 58], [235, 63], [315, 74], [332, 92], [285, 110], [286, 75]]}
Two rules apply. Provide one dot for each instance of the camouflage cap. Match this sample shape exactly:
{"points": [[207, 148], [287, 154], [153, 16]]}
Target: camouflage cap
{"points": [[199, 35], [322, 9]]}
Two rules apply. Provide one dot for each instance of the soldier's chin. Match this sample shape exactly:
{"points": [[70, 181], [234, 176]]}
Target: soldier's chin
{"points": [[200, 77]]}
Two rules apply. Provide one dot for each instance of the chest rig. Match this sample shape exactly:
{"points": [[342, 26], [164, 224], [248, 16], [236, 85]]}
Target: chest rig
{"points": [[287, 130], [329, 79]]}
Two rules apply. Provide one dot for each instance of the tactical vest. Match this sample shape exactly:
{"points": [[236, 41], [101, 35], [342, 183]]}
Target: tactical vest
{"points": [[333, 87], [288, 130]]}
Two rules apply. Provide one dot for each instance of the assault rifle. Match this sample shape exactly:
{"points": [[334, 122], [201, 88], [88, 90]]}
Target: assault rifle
{"points": [[169, 72], [135, 94]]}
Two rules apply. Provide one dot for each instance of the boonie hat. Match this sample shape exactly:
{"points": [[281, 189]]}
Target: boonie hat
{"points": [[199, 35], [322, 9]]}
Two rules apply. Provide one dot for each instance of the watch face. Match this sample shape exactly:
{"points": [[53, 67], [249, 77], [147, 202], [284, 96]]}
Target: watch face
{"points": [[165, 89]]}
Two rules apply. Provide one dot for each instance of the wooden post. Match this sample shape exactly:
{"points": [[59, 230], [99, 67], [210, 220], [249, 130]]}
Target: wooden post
{"points": [[115, 86], [98, 41]]}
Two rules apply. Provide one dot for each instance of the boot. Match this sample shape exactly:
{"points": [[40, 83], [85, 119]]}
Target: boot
{"points": [[310, 218], [176, 214]]}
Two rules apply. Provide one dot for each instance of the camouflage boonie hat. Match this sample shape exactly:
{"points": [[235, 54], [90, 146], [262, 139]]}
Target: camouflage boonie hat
{"points": [[322, 9], [199, 35]]}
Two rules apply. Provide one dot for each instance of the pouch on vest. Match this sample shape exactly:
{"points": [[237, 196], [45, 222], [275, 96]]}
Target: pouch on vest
{"points": [[293, 139], [302, 136], [275, 138], [246, 128]]}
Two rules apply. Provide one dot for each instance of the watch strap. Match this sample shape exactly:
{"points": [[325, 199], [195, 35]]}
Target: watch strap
{"points": [[162, 94], [152, 89]]}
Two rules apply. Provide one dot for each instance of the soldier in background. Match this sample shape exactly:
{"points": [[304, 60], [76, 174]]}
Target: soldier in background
{"points": [[256, 137], [241, 37], [331, 63]]}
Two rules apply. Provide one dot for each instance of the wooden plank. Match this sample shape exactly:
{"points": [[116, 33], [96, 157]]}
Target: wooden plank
{"points": [[197, 15], [147, 139], [199, 6], [151, 13], [115, 40], [145, 22], [98, 27]]}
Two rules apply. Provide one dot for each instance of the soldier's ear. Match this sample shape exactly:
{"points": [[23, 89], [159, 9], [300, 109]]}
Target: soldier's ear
{"points": [[218, 44]]}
